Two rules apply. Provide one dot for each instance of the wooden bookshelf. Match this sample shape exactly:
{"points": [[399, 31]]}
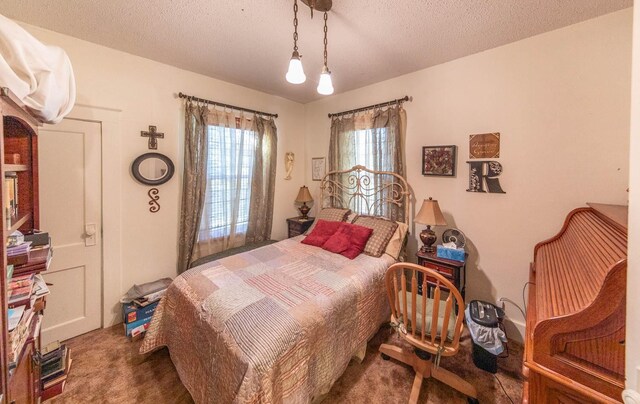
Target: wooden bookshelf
{"points": [[18, 221], [18, 136], [15, 168]]}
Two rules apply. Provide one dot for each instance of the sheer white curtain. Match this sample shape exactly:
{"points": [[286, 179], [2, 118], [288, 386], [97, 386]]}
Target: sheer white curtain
{"points": [[236, 154]]}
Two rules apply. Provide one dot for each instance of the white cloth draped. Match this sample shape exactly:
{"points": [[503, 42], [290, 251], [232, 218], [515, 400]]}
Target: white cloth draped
{"points": [[40, 76]]}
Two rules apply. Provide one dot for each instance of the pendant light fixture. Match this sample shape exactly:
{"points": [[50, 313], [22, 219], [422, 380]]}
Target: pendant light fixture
{"points": [[325, 86], [295, 74]]}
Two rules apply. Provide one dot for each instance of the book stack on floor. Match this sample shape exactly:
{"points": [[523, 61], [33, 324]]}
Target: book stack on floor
{"points": [[55, 363], [24, 315], [137, 315]]}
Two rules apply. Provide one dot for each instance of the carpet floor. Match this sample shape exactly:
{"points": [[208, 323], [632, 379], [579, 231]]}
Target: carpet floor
{"points": [[108, 369]]}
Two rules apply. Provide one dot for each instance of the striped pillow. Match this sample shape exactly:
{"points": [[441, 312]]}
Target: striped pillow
{"points": [[383, 230], [330, 215]]}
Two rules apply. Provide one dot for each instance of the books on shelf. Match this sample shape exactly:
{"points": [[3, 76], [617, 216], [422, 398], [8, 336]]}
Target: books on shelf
{"points": [[23, 319], [19, 249], [18, 337], [38, 260], [14, 317], [40, 287], [11, 185], [19, 253], [19, 290]]}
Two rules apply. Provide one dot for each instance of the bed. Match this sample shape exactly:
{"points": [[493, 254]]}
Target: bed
{"points": [[280, 323]]}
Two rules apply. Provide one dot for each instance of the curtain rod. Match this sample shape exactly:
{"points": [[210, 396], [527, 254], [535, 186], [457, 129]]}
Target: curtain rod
{"points": [[220, 104], [382, 104]]}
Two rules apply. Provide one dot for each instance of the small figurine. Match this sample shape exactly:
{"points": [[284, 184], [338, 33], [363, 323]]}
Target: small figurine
{"points": [[288, 164]]}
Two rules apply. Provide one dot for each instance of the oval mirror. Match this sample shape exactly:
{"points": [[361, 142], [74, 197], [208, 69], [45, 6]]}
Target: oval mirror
{"points": [[152, 169]]}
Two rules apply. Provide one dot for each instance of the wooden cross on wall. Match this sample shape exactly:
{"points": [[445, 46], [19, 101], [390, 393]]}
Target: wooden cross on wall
{"points": [[153, 136]]}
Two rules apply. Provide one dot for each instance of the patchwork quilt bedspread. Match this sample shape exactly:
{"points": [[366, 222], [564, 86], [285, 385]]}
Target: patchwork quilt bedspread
{"points": [[271, 325]]}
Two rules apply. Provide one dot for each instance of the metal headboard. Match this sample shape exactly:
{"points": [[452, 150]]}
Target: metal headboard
{"points": [[367, 192]]}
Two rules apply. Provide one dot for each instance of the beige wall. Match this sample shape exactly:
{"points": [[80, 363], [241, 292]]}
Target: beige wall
{"points": [[633, 269], [132, 93], [561, 103]]}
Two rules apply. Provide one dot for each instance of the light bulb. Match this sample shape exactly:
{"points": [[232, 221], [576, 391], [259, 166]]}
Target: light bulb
{"points": [[325, 86], [295, 74]]}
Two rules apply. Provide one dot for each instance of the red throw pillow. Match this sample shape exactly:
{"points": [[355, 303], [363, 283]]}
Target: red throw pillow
{"points": [[349, 240], [339, 241], [321, 232]]}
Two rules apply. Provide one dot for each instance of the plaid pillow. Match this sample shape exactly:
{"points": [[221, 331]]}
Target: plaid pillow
{"points": [[383, 229], [330, 215]]}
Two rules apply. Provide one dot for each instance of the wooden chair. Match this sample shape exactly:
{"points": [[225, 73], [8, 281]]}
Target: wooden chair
{"points": [[429, 324]]}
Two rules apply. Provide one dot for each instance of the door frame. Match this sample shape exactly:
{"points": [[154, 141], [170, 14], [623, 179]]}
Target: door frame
{"points": [[111, 189]]}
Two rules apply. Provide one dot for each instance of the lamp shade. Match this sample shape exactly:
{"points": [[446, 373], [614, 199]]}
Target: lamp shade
{"points": [[304, 195], [325, 86], [430, 214], [295, 74]]}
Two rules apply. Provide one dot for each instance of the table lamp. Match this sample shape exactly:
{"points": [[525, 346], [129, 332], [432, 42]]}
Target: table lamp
{"points": [[303, 197], [431, 215]]}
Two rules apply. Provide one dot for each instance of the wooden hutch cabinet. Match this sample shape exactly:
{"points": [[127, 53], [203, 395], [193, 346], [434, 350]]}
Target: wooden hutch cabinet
{"points": [[19, 381]]}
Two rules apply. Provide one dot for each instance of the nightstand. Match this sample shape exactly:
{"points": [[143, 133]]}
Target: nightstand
{"points": [[298, 226], [455, 271]]}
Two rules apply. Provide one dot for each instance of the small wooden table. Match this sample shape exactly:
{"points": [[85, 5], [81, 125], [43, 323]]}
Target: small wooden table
{"points": [[298, 226], [455, 271]]}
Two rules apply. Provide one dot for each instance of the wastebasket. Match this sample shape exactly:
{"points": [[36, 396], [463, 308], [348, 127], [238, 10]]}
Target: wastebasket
{"points": [[483, 320]]}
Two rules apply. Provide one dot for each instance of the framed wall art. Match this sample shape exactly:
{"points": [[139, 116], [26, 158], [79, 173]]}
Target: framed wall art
{"points": [[439, 161], [318, 168], [484, 146]]}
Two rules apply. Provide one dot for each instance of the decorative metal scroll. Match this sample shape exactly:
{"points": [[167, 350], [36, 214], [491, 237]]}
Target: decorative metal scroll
{"points": [[153, 195], [367, 192]]}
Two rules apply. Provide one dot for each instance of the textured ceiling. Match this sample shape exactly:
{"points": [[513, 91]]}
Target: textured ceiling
{"points": [[249, 42]]}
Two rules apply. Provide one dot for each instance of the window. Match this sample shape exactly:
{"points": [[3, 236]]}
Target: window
{"points": [[370, 147], [229, 174]]}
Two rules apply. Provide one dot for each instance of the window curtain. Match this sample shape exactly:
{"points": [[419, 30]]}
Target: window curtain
{"points": [[238, 205], [263, 182], [193, 183], [374, 139]]}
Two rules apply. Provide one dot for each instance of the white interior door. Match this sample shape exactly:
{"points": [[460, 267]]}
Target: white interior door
{"points": [[69, 156]]}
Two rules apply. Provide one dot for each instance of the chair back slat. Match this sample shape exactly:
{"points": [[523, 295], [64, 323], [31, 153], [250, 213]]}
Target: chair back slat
{"points": [[406, 296], [425, 291], [414, 295], [403, 284], [434, 312], [447, 312], [456, 338], [396, 290], [390, 291]]}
